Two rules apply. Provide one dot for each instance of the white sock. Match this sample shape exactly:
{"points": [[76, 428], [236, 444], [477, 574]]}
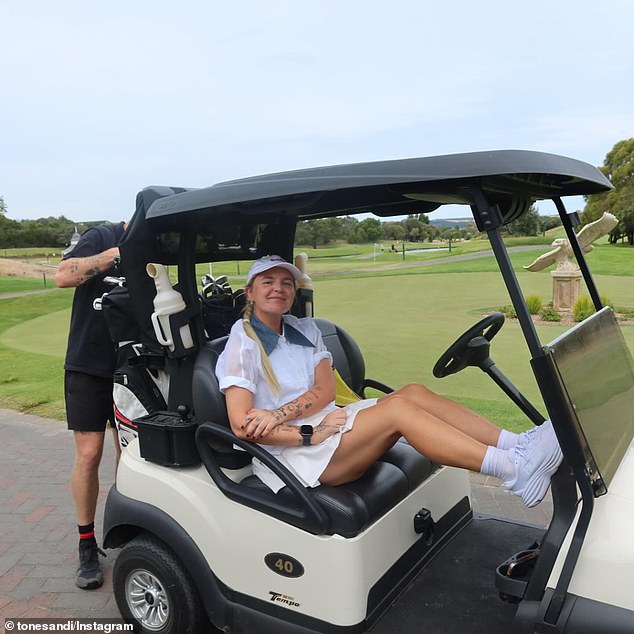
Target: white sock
{"points": [[507, 439], [498, 463]]}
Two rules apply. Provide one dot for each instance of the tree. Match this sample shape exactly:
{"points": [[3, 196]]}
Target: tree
{"points": [[413, 228], [3, 206], [358, 236], [314, 232], [618, 167], [372, 229], [528, 224], [393, 231], [348, 226], [548, 222]]}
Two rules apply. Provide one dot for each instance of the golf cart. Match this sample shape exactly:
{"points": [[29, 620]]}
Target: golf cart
{"points": [[204, 544]]}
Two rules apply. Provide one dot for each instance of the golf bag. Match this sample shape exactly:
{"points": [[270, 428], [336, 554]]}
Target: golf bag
{"points": [[141, 382]]}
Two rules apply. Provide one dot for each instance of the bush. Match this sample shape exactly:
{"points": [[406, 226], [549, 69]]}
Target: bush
{"points": [[626, 313], [606, 301], [583, 308], [534, 304], [548, 313], [509, 311]]}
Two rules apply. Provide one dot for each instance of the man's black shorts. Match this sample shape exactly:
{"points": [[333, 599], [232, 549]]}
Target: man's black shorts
{"points": [[88, 401]]}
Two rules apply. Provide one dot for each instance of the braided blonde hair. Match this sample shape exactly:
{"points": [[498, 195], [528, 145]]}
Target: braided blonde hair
{"points": [[269, 373]]}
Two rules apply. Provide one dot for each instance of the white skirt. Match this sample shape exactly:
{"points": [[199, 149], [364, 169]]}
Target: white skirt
{"points": [[308, 463]]}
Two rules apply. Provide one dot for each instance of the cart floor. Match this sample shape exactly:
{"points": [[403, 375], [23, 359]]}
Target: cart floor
{"points": [[456, 592]]}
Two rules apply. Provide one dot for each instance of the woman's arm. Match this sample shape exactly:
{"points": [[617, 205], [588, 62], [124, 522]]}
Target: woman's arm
{"points": [[260, 422], [240, 401], [74, 272], [249, 423]]}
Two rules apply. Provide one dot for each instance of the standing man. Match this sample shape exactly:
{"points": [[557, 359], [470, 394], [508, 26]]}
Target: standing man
{"points": [[89, 366]]}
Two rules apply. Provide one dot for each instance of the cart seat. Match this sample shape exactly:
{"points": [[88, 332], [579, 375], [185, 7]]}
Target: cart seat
{"points": [[344, 510]]}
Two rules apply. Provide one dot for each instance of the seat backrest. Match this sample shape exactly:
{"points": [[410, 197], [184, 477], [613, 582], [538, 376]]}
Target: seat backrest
{"points": [[209, 402], [346, 354]]}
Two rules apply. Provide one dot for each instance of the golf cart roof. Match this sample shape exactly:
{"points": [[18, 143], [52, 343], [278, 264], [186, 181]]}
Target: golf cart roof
{"points": [[513, 179]]}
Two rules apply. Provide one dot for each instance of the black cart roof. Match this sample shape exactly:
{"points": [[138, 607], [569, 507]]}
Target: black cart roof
{"points": [[387, 188]]}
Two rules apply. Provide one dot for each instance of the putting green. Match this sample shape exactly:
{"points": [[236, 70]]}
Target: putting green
{"points": [[43, 335]]}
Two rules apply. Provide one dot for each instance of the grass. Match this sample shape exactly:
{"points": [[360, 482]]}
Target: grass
{"points": [[403, 320], [31, 381], [403, 324], [19, 284], [27, 253]]}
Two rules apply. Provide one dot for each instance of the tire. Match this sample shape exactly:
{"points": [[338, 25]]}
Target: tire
{"points": [[154, 591]]}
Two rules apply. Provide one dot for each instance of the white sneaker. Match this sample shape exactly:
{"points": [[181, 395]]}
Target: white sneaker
{"points": [[526, 436], [536, 460]]}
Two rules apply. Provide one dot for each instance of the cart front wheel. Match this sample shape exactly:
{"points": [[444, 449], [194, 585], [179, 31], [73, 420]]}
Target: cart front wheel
{"points": [[154, 591]]}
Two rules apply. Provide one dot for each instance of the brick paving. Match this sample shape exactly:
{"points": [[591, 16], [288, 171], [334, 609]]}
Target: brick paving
{"points": [[38, 536]]}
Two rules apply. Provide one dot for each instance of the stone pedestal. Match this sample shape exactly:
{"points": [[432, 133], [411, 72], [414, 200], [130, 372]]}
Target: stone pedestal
{"points": [[566, 289]]}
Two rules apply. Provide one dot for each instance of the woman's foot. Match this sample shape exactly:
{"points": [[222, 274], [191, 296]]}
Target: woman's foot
{"points": [[536, 459], [545, 428]]}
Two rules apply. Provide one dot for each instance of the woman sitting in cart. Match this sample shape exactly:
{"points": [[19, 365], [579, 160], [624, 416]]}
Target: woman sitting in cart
{"points": [[277, 376]]}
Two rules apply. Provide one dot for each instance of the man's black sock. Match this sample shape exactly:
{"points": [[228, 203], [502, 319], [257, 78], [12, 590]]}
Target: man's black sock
{"points": [[86, 532]]}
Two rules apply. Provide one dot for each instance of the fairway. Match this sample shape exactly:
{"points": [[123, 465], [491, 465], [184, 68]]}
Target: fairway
{"points": [[43, 335], [402, 323]]}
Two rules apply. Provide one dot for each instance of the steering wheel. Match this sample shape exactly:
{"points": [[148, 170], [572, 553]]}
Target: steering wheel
{"points": [[471, 348]]}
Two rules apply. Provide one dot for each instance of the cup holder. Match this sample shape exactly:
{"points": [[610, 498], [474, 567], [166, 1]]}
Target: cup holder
{"points": [[512, 576]]}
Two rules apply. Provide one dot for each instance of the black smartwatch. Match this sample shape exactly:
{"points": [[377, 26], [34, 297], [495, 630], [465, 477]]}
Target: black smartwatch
{"points": [[307, 434]]}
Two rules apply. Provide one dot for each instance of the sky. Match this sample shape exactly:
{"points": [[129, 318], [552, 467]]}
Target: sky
{"points": [[101, 99]]}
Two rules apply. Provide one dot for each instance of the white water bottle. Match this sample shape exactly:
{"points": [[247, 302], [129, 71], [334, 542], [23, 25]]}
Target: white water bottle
{"points": [[168, 301]]}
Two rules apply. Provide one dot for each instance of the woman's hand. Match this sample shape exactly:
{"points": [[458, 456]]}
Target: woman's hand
{"points": [[258, 423], [330, 425]]}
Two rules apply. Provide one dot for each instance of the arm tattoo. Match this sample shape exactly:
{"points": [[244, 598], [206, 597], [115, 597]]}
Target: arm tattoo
{"points": [[297, 407], [320, 427], [292, 429], [92, 271]]}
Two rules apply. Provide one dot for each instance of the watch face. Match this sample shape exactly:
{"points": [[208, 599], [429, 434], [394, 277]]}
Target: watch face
{"points": [[306, 430]]}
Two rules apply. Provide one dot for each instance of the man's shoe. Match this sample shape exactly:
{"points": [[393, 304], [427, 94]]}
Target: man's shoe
{"points": [[535, 463], [89, 574]]}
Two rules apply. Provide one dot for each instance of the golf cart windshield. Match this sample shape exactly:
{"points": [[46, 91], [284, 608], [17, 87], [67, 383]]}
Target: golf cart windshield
{"points": [[600, 410]]}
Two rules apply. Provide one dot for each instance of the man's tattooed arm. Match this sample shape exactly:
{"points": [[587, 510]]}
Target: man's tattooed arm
{"points": [[75, 271], [89, 268]]}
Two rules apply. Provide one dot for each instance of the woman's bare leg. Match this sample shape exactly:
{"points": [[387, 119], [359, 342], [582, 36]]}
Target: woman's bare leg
{"points": [[377, 428], [456, 415]]}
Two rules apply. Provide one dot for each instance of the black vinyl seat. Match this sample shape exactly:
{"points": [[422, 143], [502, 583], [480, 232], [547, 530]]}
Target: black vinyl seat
{"points": [[347, 358], [344, 510]]}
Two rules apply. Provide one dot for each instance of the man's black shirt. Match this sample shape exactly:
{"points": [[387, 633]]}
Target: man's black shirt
{"points": [[90, 348]]}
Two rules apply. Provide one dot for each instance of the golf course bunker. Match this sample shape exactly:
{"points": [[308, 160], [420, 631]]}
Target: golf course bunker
{"points": [[47, 334]]}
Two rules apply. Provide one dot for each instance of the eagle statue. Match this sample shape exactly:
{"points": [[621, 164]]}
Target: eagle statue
{"points": [[562, 254]]}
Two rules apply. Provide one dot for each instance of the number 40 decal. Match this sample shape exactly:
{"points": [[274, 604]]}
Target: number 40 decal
{"points": [[284, 565]]}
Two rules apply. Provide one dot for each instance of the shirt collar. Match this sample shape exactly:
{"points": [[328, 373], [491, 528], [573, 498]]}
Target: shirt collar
{"points": [[269, 338]]}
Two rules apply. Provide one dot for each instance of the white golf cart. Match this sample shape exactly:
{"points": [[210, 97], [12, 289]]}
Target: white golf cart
{"points": [[205, 545]]}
